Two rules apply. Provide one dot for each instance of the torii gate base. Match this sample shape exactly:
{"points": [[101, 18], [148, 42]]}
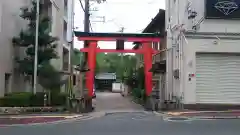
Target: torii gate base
{"points": [[146, 40]]}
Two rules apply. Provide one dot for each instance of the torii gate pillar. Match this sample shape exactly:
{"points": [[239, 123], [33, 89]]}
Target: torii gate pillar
{"points": [[147, 59]]}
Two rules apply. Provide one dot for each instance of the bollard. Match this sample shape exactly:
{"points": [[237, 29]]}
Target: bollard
{"points": [[45, 99]]}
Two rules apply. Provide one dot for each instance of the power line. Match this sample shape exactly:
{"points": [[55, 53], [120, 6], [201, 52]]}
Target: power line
{"points": [[82, 6], [84, 12]]}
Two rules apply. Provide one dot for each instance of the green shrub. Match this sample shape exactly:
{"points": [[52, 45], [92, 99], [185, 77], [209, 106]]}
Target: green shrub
{"points": [[27, 99], [37, 99], [58, 99], [139, 95], [16, 99]]}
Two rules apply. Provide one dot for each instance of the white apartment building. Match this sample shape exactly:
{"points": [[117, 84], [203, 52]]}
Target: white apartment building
{"points": [[10, 26], [203, 60]]}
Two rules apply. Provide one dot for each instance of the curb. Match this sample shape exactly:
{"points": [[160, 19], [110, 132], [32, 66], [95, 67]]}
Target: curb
{"points": [[47, 116], [197, 117], [66, 120], [216, 117], [124, 111], [197, 112], [159, 113], [110, 112], [69, 118]]}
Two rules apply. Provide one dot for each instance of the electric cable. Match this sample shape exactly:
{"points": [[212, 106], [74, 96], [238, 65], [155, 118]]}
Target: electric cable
{"points": [[84, 11]]}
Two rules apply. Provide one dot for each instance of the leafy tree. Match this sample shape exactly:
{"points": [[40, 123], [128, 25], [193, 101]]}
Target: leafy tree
{"points": [[77, 57], [46, 47], [113, 62], [49, 78]]}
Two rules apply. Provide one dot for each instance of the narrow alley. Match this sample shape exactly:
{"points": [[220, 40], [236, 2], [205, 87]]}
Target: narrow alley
{"points": [[108, 101]]}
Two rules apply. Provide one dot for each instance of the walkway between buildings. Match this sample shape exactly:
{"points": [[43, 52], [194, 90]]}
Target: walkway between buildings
{"points": [[108, 101]]}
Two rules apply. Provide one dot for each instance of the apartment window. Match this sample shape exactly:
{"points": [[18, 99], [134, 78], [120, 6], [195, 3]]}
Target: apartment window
{"points": [[74, 79], [46, 10], [65, 7], [155, 45], [7, 82], [65, 30], [65, 59], [50, 16]]}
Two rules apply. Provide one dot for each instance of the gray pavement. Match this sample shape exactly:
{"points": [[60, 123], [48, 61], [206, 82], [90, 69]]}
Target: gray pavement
{"points": [[134, 123], [106, 101], [127, 123]]}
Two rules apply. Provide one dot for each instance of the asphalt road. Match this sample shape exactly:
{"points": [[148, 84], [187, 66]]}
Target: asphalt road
{"points": [[113, 101], [134, 123]]}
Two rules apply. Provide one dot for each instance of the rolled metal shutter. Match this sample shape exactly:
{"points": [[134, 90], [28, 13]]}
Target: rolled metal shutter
{"points": [[218, 78]]}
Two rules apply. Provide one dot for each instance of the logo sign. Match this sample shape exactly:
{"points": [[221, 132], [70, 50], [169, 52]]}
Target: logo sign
{"points": [[222, 9], [226, 7]]}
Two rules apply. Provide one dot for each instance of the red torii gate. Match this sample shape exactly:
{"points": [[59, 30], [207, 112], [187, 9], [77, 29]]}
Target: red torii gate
{"points": [[145, 39]]}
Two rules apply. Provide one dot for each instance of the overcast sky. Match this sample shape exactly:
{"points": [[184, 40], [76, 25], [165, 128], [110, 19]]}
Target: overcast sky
{"points": [[133, 15]]}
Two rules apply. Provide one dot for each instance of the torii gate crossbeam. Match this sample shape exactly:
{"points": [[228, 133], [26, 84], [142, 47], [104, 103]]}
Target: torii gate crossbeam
{"points": [[145, 39]]}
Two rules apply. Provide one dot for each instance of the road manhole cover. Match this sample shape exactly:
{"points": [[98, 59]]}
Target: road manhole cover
{"points": [[178, 119]]}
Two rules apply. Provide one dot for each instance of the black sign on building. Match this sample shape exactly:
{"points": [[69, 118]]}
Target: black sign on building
{"points": [[222, 9]]}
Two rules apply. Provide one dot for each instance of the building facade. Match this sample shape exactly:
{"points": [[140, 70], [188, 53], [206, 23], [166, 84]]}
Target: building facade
{"points": [[204, 39], [11, 24], [157, 25]]}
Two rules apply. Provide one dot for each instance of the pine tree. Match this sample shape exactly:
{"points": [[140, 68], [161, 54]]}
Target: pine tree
{"points": [[46, 47]]}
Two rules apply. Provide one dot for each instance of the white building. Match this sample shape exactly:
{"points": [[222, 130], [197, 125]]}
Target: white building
{"points": [[10, 26], [206, 52]]}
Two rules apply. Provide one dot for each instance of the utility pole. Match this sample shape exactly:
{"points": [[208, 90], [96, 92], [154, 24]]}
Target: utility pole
{"points": [[86, 18], [36, 48], [121, 86], [86, 27], [122, 30], [87, 102], [69, 37]]}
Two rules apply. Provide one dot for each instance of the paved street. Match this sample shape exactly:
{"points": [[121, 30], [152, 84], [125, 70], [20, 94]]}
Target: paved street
{"points": [[130, 124], [127, 123], [114, 101]]}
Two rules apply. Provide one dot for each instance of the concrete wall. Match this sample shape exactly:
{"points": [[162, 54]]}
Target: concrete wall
{"points": [[10, 26], [189, 58], [176, 14], [182, 51]]}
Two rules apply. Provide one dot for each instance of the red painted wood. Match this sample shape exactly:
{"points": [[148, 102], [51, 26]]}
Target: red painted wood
{"points": [[113, 50], [147, 57], [91, 64], [129, 39], [141, 51], [146, 50]]}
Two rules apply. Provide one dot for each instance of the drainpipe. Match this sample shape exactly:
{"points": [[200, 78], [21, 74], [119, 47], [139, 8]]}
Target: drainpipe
{"points": [[168, 52]]}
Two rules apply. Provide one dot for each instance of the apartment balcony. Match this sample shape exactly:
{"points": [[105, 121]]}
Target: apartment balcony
{"points": [[65, 32], [65, 59], [161, 56]]}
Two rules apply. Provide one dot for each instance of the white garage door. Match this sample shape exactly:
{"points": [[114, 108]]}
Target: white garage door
{"points": [[218, 78]]}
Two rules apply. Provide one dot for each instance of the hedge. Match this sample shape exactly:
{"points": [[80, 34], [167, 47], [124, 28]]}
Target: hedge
{"points": [[28, 99]]}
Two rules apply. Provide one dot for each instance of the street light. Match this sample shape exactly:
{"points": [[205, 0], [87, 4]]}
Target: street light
{"points": [[36, 48]]}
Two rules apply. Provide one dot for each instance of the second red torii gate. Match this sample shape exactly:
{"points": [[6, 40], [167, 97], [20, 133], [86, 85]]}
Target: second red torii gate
{"points": [[145, 39]]}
